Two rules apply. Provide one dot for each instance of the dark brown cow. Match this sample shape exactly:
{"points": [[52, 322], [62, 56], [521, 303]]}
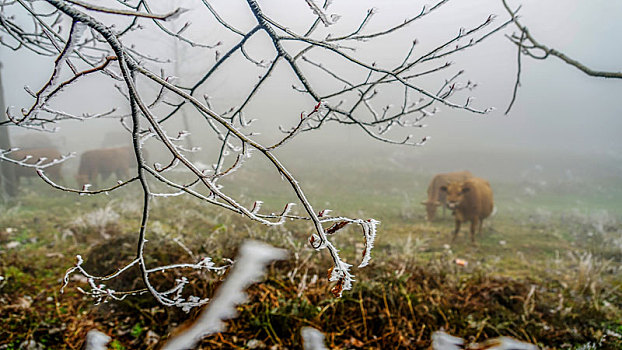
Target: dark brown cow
{"points": [[471, 200], [36, 154], [436, 197], [104, 162]]}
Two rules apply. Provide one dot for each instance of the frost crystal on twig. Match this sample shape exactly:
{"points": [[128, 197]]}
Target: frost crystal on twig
{"points": [[321, 15], [369, 232]]}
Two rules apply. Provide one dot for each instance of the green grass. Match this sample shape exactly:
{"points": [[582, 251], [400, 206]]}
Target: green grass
{"points": [[536, 237]]}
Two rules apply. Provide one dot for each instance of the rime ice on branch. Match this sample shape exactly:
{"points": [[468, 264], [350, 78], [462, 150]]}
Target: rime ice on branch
{"points": [[84, 38]]}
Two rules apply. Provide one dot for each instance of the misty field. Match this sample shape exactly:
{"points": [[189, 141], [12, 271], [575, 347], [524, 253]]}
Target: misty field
{"points": [[241, 174], [546, 269]]}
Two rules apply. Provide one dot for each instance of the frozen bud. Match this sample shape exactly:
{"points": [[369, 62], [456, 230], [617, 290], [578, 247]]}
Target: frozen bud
{"points": [[186, 25], [29, 91], [315, 241], [178, 12], [324, 212], [171, 79], [256, 207]]}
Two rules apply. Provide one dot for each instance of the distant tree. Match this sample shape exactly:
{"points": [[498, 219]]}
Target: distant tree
{"points": [[336, 79], [8, 186]]}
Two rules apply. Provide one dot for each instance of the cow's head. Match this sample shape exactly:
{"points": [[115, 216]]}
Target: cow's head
{"points": [[455, 193], [430, 208]]}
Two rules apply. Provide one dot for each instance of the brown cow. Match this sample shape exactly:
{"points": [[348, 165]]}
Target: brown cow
{"points": [[36, 154], [471, 200], [436, 197], [104, 162]]}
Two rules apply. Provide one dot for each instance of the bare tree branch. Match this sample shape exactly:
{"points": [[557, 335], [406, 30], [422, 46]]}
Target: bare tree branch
{"points": [[92, 47], [551, 51], [529, 46]]}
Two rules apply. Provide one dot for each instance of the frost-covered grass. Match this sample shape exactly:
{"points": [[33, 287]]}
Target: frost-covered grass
{"points": [[563, 239]]}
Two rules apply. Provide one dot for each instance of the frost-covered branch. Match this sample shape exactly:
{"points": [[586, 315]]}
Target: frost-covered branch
{"points": [[114, 43]]}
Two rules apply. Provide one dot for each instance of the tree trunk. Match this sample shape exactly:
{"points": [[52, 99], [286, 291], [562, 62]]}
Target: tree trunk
{"points": [[8, 186]]}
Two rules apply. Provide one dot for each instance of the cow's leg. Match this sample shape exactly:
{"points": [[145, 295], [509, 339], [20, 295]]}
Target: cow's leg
{"points": [[476, 222], [453, 238], [481, 223], [56, 175], [105, 175], [93, 178]]}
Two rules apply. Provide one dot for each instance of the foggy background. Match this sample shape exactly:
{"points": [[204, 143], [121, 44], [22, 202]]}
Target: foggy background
{"points": [[563, 125]]}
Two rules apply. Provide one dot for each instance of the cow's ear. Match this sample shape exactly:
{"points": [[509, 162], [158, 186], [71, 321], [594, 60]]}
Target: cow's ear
{"points": [[465, 189], [444, 188]]}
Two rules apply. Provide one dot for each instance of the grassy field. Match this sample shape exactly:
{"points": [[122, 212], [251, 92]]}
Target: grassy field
{"points": [[546, 268]]}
